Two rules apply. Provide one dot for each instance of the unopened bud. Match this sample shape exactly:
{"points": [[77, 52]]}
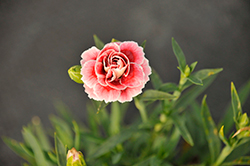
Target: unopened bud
{"points": [[75, 158], [74, 74]]}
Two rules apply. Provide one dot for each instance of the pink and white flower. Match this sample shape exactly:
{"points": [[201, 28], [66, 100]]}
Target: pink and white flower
{"points": [[118, 72]]}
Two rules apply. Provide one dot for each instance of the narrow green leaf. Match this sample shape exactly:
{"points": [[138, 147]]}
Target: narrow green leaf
{"points": [[192, 66], [63, 111], [111, 143], [77, 135], [16, 147], [155, 79], [36, 148], [99, 44], [168, 87], [60, 151], [202, 75], [210, 131], [156, 95], [150, 161], [228, 119], [179, 55], [179, 123], [42, 137], [235, 104], [195, 80], [172, 142], [74, 74], [28, 150], [222, 136], [115, 119], [63, 130], [52, 157]]}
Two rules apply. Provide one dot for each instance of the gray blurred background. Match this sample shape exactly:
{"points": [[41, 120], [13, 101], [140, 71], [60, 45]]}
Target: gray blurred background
{"points": [[40, 40]]}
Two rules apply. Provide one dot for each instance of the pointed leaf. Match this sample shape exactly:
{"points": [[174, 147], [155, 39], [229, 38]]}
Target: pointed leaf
{"points": [[235, 104], [34, 144], [222, 136], [195, 80], [60, 151], [99, 44], [192, 66], [179, 55], [210, 131], [16, 147], [114, 40], [228, 119], [179, 123], [77, 135], [156, 95]]}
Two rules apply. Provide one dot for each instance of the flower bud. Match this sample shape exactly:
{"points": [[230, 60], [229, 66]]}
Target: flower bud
{"points": [[75, 158], [74, 74]]}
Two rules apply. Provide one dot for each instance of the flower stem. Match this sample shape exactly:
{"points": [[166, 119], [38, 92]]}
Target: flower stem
{"points": [[141, 107]]}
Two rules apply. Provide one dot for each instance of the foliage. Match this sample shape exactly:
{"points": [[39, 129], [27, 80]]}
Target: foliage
{"points": [[173, 129]]}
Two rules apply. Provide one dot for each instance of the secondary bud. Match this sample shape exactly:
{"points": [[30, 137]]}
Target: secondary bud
{"points": [[75, 158]]}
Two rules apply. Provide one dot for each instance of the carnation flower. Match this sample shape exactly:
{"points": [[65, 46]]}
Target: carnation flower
{"points": [[118, 72]]}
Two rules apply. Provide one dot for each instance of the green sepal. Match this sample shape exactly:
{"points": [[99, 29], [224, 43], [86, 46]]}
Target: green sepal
{"points": [[143, 44], [114, 40], [74, 74], [98, 43]]}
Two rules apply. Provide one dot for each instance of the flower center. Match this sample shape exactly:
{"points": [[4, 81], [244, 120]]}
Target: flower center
{"points": [[115, 64]]}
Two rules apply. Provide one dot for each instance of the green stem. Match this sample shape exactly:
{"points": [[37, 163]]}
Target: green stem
{"points": [[224, 153], [141, 107], [115, 118]]}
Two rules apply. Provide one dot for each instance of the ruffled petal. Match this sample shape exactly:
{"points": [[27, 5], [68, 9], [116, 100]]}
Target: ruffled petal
{"points": [[146, 69], [106, 93], [90, 54], [129, 93], [133, 51], [135, 76], [110, 46], [90, 92], [88, 73]]}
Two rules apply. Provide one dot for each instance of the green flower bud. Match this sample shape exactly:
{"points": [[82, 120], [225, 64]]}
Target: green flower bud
{"points": [[243, 120], [75, 158], [74, 74]]}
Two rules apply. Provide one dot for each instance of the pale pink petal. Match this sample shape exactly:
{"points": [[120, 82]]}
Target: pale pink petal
{"points": [[110, 46], [106, 93], [90, 92], [88, 73], [129, 93], [146, 70], [135, 76], [133, 51], [90, 54]]}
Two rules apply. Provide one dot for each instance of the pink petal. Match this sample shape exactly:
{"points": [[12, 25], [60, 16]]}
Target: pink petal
{"points": [[110, 46], [106, 93], [90, 92], [133, 51], [116, 85], [88, 73], [129, 93], [146, 70], [101, 74], [135, 76], [90, 54]]}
